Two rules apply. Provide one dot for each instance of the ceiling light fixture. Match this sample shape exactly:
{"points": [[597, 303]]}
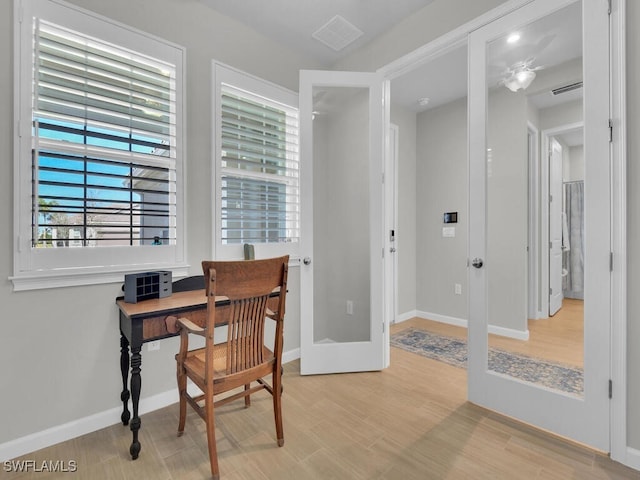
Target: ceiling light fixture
{"points": [[424, 101], [513, 38], [520, 76]]}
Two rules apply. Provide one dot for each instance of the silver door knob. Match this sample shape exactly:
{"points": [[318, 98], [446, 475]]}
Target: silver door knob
{"points": [[306, 261], [477, 262]]}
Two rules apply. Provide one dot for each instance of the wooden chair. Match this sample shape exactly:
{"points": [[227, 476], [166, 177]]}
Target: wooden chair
{"points": [[241, 295]]}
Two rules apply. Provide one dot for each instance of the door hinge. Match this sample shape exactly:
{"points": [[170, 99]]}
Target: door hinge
{"points": [[609, 9], [550, 198], [611, 261], [550, 245], [382, 327], [610, 388], [610, 130], [550, 291]]}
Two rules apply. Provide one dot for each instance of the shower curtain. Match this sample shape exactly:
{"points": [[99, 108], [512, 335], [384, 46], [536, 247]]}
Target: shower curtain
{"points": [[573, 254]]}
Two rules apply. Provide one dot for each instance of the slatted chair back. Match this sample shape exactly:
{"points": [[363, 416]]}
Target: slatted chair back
{"points": [[251, 292]]}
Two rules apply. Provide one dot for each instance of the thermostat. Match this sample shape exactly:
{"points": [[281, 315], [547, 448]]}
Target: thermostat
{"points": [[451, 217]]}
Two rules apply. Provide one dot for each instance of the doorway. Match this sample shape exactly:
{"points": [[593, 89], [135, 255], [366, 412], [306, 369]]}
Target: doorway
{"points": [[448, 283]]}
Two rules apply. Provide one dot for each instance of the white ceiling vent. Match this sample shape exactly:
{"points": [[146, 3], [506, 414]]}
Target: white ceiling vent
{"points": [[337, 33]]}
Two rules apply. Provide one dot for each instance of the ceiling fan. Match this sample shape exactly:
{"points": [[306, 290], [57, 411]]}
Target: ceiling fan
{"points": [[520, 75]]}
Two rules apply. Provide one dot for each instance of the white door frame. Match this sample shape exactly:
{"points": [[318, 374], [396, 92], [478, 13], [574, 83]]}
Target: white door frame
{"points": [[534, 302], [544, 212], [619, 450], [391, 245]]}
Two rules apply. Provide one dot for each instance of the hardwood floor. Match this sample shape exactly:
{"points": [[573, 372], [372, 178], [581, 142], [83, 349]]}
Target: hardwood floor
{"points": [[558, 339], [410, 421]]}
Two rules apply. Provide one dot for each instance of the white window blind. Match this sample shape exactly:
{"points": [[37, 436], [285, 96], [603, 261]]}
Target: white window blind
{"points": [[104, 143], [99, 149], [259, 179]]}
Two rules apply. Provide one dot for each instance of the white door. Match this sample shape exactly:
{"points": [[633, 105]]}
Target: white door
{"points": [[497, 245], [343, 120], [555, 227]]}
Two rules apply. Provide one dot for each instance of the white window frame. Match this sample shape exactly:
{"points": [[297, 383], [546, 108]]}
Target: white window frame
{"points": [[60, 267], [224, 74]]}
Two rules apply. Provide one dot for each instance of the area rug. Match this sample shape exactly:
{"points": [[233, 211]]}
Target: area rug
{"points": [[453, 351]]}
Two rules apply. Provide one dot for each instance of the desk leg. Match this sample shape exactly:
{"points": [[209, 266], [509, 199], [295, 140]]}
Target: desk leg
{"points": [[124, 368], [136, 382]]}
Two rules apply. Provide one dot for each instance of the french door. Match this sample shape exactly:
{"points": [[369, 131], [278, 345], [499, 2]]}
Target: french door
{"points": [[504, 55], [342, 118]]}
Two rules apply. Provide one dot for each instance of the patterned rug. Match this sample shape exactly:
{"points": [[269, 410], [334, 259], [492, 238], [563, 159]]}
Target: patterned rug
{"points": [[454, 352]]}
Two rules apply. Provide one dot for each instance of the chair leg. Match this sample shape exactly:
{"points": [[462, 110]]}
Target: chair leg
{"points": [[277, 405], [182, 392], [247, 398], [211, 436]]}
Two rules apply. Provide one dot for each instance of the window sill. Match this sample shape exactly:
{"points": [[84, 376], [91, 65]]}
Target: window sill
{"points": [[80, 277]]}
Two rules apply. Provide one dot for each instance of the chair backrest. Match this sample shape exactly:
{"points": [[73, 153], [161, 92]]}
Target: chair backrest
{"points": [[188, 284], [254, 289]]}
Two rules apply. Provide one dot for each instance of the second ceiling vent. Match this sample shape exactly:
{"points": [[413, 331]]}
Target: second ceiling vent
{"points": [[337, 33]]}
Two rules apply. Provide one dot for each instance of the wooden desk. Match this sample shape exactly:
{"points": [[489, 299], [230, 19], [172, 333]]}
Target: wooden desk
{"points": [[144, 322]]}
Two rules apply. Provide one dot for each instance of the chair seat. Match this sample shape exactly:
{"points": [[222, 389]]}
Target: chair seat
{"points": [[194, 364]]}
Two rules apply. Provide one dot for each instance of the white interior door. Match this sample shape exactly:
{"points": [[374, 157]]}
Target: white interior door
{"points": [[555, 227], [343, 119], [497, 244]]}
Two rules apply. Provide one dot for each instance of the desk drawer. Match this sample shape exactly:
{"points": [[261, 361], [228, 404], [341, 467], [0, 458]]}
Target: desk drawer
{"points": [[156, 327]]}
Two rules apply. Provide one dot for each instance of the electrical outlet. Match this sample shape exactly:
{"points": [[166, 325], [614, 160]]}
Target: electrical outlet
{"points": [[155, 345], [349, 307], [458, 289]]}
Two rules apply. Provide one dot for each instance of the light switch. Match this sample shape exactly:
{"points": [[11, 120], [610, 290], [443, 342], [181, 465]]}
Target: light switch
{"points": [[448, 231]]}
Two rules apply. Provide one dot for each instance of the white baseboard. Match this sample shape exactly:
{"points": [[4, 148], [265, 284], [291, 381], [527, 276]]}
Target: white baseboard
{"points": [[403, 317], [508, 332], [436, 317], [461, 322], [632, 459], [82, 426]]}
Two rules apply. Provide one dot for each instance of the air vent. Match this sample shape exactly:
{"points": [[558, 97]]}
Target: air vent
{"points": [[566, 88], [337, 33]]}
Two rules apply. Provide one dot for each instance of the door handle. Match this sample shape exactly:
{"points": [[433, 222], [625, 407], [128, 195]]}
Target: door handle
{"points": [[477, 262], [306, 261]]}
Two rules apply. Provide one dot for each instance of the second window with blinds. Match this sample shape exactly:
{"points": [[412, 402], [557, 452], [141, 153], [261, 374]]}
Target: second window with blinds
{"points": [[256, 165]]}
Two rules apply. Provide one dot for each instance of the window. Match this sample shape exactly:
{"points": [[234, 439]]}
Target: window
{"points": [[257, 164], [99, 156]]}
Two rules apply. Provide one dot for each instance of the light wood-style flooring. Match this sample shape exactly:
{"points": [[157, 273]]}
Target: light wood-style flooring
{"points": [[410, 421], [558, 339]]}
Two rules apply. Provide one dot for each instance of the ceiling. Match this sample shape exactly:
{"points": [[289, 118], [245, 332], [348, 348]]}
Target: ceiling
{"points": [[293, 22], [550, 41]]}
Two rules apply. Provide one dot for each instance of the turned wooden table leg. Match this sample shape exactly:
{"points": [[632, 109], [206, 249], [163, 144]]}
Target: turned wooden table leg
{"points": [[136, 362], [124, 368]]}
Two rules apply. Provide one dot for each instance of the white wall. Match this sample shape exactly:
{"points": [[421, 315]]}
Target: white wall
{"points": [[61, 346], [576, 164], [442, 186]]}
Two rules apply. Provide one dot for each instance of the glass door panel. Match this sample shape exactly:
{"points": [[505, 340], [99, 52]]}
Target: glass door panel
{"points": [[521, 67]]}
